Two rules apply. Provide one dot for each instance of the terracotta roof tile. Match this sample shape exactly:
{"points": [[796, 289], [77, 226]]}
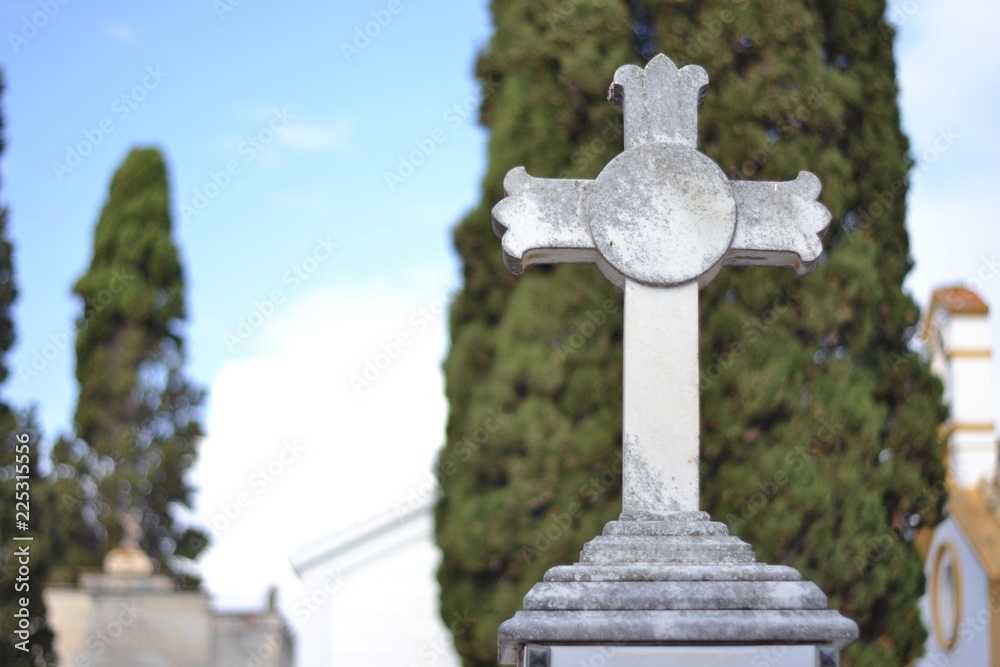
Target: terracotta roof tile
{"points": [[959, 300]]}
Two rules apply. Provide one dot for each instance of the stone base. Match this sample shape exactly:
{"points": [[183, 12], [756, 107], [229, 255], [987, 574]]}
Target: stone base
{"points": [[776, 655], [675, 579]]}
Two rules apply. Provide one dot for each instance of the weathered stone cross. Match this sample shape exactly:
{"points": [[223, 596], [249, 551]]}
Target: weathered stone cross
{"points": [[660, 220]]}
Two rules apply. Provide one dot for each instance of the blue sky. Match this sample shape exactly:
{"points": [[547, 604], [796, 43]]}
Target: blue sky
{"points": [[223, 78], [304, 264]]}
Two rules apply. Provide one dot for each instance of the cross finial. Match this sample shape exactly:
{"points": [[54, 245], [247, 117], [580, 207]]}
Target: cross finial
{"points": [[660, 102], [660, 221], [132, 528]]}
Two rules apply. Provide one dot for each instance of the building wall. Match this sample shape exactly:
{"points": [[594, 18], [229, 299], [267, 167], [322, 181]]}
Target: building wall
{"points": [[123, 621], [380, 612], [100, 628], [972, 641], [258, 640]]}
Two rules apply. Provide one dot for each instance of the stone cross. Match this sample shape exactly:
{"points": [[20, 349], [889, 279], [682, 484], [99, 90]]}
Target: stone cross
{"points": [[132, 528], [659, 221]]}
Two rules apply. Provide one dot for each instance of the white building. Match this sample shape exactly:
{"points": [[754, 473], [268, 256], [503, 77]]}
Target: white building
{"points": [[961, 607], [371, 595]]}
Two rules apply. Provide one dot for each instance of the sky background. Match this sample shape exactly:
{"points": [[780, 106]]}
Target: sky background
{"points": [[304, 264]]}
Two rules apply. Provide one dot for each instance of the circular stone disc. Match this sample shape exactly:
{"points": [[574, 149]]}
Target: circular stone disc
{"points": [[662, 214]]}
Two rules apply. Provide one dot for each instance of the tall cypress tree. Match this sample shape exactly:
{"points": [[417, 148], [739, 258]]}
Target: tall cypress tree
{"points": [[20, 482], [136, 422], [819, 433], [535, 417]]}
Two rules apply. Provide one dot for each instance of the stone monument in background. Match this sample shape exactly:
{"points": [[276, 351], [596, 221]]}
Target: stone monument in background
{"points": [[128, 615], [664, 584]]}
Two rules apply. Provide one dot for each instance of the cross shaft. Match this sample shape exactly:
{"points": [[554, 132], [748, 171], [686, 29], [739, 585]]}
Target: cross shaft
{"points": [[660, 412]]}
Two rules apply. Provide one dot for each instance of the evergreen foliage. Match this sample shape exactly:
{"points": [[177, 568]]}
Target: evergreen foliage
{"points": [[136, 422], [19, 441], [819, 425]]}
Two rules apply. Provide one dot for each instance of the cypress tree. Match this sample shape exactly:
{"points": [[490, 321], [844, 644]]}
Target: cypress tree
{"points": [[531, 468], [136, 421], [819, 424], [20, 482]]}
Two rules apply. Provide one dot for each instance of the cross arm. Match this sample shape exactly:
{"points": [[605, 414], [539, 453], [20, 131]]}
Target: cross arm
{"points": [[543, 221], [779, 224]]}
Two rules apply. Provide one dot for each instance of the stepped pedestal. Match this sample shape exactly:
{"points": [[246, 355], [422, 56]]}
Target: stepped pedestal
{"points": [[674, 589]]}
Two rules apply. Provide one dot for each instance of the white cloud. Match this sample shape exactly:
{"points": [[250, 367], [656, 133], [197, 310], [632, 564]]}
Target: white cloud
{"points": [[946, 51], [355, 453], [120, 32], [318, 136]]}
